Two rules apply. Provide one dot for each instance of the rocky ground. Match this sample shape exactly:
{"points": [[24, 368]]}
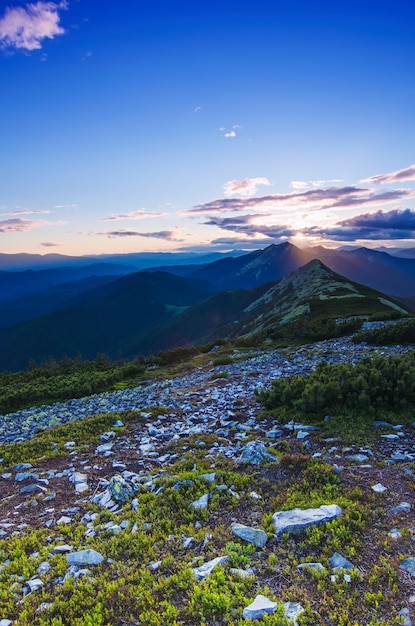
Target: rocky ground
{"points": [[209, 427]]}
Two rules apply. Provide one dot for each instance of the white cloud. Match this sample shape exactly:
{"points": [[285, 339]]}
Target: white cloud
{"points": [[19, 211], [299, 184], [246, 187], [230, 134], [132, 215], [302, 184], [26, 27]]}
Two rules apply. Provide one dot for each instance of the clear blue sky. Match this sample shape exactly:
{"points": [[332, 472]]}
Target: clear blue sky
{"points": [[133, 125]]}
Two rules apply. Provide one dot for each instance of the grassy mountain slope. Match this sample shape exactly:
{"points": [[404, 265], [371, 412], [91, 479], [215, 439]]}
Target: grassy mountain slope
{"points": [[313, 293]]}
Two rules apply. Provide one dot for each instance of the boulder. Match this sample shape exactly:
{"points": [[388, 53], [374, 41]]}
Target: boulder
{"points": [[292, 610], [84, 557], [337, 561], [259, 607], [256, 536], [207, 568], [255, 453], [121, 489], [296, 520], [409, 565]]}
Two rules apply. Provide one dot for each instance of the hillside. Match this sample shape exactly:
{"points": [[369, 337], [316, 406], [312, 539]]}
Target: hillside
{"points": [[312, 294], [104, 320], [146, 312], [181, 501], [253, 269]]}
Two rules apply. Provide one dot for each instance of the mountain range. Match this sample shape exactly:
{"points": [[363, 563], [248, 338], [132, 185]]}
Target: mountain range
{"points": [[88, 310]]}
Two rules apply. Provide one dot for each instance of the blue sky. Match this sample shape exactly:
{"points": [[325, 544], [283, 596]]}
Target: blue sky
{"points": [[135, 126]]}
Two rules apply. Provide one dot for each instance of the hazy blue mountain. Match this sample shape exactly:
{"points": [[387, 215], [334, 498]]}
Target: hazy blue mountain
{"points": [[255, 268], [22, 283], [106, 319], [379, 270]]}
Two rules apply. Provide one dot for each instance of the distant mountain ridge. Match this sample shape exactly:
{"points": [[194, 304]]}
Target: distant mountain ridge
{"points": [[152, 310]]}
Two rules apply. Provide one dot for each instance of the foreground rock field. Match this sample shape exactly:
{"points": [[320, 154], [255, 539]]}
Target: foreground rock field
{"points": [[194, 506]]}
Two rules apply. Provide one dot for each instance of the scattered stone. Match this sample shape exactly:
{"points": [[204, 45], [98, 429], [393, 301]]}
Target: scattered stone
{"points": [[84, 557], [201, 503], [394, 533], [210, 478], [259, 607], [292, 610], [34, 584], [207, 568], [409, 565], [21, 476], [402, 507], [296, 520], [255, 536], [379, 488], [255, 453], [338, 562], [64, 549], [358, 458], [316, 566], [104, 448], [121, 489], [241, 573], [404, 617]]}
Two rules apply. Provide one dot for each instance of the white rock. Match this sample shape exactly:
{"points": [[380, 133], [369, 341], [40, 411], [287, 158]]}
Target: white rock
{"points": [[201, 503], [207, 568], [84, 557], [379, 488], [259, 607], [292, 610], [256, 536], [296, 520]]}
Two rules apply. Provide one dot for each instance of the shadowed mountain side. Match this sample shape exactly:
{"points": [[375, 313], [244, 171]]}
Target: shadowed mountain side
{"points": [[106, 320], [379, 270], [312, 292], [200, 323], [254, 269]]}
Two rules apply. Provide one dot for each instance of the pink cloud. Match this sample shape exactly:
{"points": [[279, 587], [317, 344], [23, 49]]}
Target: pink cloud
{"points": [[132, 215], [393, 177], [19, 225], [245, 187], [26, 27]]}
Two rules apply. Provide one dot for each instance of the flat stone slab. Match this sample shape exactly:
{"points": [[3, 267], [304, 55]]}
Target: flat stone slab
{"points": [[207, 568], [256, 536], [84, 557], [338, 562], [259, 607], [296, 520]]}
